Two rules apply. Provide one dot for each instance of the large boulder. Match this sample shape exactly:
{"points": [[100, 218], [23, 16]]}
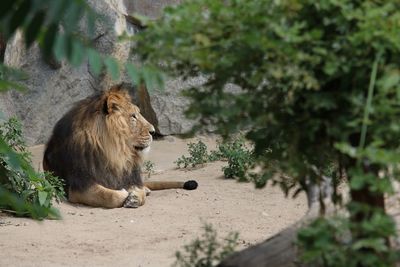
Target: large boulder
{"points": [[53, 88], [149, 8], [50, 91]]}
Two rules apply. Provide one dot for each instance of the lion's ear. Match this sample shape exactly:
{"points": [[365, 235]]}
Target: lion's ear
{"points": [[111, 104]]}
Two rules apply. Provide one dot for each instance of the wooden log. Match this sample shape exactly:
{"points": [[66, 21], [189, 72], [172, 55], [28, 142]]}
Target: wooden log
{"points": [[277, 251], [280, 250]]}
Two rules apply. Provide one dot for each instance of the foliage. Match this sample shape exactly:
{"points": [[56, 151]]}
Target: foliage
{"points": [[8, 76], [33, 187], [290, 61], [319, 84], [197, 155], [240, 159], [329, 242], [208, 250], [19, 206], [148, 167], [65, 29]]}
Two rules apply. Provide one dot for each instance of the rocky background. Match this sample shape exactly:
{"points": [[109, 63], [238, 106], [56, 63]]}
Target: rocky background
{"points": [[53, 88]]}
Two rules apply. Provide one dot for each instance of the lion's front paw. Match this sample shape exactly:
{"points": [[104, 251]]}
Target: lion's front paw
{"points": [[147, 191], [132, 201]]}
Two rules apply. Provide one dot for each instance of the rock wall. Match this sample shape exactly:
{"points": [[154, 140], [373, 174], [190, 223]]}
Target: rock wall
{"points": [[149, 8], [52, 88]]}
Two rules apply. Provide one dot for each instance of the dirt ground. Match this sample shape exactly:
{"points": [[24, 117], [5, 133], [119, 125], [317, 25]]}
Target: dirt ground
{"points": [[151, 234]]}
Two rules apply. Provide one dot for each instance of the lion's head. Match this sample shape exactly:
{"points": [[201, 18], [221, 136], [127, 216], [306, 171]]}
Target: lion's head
{"points": [[124, 121]]}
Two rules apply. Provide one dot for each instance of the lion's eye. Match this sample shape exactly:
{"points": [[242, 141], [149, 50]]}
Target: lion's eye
{"points": [[134, 116]]}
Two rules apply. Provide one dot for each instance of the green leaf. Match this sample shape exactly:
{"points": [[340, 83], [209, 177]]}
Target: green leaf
{"points": [[160, 80], [73, 16], [59, 48], [149, 77], [42, 195], [78, 52], [331, 67], [49, 39], [378, 244], [56, 10], [346, 149], [112, 67], [91, 23], [261, 180], [95, 61], [54, 213], [202, 39], [133, 73], [12, 158], [33, 28], [8, 85], [391, 80], [357, 182]]}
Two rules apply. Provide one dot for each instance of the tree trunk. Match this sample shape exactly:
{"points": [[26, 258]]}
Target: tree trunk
{"points": [[277, 251]]}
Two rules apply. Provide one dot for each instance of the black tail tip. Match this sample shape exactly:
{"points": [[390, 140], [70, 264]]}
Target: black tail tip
{"points": [[190, 185]]}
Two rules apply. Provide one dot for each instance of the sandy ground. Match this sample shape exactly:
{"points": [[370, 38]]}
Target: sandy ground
{"points": [[151, 234]]}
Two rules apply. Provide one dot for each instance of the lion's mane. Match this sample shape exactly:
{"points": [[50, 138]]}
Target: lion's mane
{"points": [[88, 145]]}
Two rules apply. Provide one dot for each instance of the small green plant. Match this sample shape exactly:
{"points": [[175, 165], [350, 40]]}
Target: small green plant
{"points": [[239, 157], [33, 187], [208, 250], [148, 167], [197, 156]]}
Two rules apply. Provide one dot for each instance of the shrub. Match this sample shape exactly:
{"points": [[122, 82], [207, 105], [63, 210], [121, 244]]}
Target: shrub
{"points": [[207, 251], [197, 156], [329, 243], [38, 188], [240, 159]]}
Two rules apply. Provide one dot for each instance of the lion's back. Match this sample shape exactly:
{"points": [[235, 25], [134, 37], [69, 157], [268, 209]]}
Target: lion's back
{"points": [[61, 156]]}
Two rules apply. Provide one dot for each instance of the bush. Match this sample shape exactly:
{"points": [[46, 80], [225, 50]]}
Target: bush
{"points": [[197, 156], [240, 159], [38, 188], [207, 251], [329, 243]]}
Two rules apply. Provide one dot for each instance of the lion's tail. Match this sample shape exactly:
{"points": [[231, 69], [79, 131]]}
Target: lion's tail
{"points": [[160, 185]]}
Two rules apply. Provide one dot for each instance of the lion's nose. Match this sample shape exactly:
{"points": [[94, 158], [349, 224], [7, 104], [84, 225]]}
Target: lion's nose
{"points": [[152, 131]]}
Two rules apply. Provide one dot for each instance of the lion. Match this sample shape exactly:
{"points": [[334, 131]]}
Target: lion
{"points": [[97, 149]]}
